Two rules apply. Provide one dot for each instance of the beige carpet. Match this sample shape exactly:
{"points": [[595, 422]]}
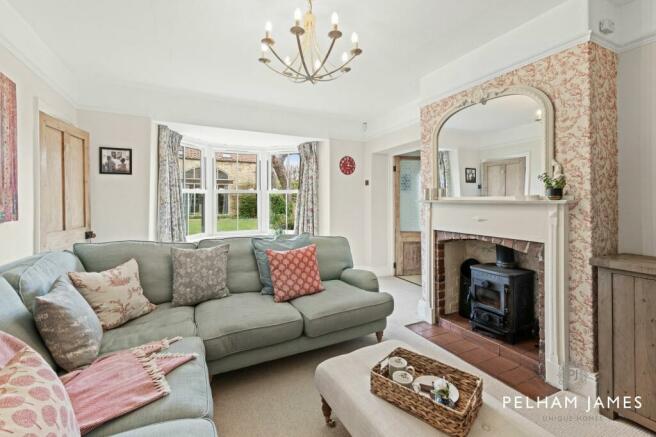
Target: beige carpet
{"points": [[278, 399]]}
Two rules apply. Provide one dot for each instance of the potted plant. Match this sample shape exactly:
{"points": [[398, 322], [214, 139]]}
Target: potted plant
{"points": [[553, 186]]}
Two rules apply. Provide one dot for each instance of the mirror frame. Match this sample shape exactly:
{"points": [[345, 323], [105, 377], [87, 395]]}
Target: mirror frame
{"points": [[479, 96]]}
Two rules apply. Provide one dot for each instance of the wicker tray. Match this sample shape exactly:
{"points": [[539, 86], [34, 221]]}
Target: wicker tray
{"points": [[456, 421]]}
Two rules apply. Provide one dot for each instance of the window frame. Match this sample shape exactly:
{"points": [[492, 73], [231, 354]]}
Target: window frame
{"points": [[263, 191], [204, 191]]}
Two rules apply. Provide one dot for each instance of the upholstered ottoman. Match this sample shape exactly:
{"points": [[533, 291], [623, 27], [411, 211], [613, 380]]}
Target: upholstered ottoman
{"points": [[343, 383]]}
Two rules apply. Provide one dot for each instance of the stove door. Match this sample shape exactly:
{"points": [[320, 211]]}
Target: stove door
{"points": [[488, 295]]}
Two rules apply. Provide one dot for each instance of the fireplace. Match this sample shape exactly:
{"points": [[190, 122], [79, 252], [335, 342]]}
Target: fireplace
{"points": [[501, 297]]}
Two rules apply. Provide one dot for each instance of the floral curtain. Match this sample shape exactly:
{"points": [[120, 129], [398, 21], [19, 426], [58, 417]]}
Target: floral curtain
{"points": [[445, 172], [307, 214], [170, 210]]}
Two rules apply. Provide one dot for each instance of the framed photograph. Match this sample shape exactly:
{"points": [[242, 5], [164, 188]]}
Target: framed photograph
{"points": [[114, 160], [470, 175]]}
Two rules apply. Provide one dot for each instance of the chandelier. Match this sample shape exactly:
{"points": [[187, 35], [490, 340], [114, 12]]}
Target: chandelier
{"points": [[309, 64]]}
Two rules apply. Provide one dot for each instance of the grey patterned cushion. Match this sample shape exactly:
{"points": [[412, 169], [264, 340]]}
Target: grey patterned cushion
{"points": [[68, 325], [199, 274], [261, 245]]}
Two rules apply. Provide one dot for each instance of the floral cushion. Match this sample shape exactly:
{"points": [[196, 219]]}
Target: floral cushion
{"points": [[33, 401], [115, 295], [68, 326], [294, 273], [199, 274]]}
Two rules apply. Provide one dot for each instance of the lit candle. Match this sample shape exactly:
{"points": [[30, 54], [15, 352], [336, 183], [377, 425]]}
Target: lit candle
{"points": [[334, 19], [355, 39], [345, 57], [297, 17], [268, 27]]}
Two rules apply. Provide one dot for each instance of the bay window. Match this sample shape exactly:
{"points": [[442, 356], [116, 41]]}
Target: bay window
{"points": [[238, 191]]}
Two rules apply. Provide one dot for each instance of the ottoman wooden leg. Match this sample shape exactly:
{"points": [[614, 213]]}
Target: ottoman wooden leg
{"points": [[379, 336], [327, 411]]}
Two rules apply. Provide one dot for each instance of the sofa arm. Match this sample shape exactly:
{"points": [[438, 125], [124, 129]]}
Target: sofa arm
{"points": [[360, 278]]}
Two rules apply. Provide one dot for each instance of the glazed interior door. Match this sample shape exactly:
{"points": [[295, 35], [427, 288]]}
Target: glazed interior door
{"points": [[407, 195], [64, 188]]}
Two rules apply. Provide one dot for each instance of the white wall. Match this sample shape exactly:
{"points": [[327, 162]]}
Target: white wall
{"points": [[19, 239], [120, 204], [637, 150], [347, 197]]}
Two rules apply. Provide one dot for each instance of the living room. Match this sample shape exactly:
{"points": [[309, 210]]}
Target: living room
{"points": [[327, 218]]}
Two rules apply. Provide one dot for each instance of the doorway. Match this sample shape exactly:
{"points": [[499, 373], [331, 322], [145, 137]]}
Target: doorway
{"points": [[407, 208], [505, 177]]}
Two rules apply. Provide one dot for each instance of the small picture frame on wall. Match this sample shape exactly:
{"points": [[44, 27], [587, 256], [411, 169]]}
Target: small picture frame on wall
{"points": [[470, 175], [114, 160]]}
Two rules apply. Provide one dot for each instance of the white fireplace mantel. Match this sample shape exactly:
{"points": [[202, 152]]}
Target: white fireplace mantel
{"points": [[541, 221]]}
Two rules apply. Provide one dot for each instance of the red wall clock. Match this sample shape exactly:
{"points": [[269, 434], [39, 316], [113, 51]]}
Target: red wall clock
{"points": [[347, 165]]}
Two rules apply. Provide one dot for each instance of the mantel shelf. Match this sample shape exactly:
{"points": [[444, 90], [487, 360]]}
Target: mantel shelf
{"points": [[498, 201]]}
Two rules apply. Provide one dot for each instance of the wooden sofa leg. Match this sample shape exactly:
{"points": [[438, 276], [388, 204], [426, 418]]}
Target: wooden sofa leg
{"points": [[327, 411], [379, 336]]}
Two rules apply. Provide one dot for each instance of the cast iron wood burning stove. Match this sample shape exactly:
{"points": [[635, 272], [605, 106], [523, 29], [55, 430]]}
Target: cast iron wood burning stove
{"points": [[502, 297]]}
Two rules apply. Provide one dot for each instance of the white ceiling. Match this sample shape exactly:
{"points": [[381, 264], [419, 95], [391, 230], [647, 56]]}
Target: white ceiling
{"points": [[206, 135], [211, 47]]}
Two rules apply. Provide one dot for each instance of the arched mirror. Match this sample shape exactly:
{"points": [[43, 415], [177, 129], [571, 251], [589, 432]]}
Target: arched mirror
{"points": [[496, 146]]}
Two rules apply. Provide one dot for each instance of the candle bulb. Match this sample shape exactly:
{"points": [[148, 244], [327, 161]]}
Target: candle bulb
{"points": [[297, 17], [355, 39], [288, 60], [334, 19], [268, 27], [265, 48], [345, 57], [317, 64]]}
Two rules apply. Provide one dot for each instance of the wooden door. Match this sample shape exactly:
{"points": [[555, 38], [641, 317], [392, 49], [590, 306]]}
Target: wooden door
{"points": [[64, 187], [407, 192], [506, 177]]}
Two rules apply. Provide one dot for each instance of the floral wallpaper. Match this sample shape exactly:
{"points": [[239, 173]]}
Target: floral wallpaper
{"points": [[581, 83]]}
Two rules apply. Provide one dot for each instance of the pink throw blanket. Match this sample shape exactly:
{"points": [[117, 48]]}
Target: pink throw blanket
{"points": [[119, 383]]}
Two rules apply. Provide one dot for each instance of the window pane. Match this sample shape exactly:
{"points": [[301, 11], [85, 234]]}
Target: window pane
{"points": [[226, 171], [192, 172], [194, 208], [236, 212], [247, 177], [282, 212], [236, 171], [284, 171], [248, 212]]}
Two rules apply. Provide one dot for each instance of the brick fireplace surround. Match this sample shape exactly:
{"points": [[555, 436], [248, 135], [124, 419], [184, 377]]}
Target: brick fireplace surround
{"points": [[531, 249]]}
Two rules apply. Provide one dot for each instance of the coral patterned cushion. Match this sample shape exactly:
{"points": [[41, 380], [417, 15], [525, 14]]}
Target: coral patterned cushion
{"points": [[294, 273], [115, 295], [33, 401]]}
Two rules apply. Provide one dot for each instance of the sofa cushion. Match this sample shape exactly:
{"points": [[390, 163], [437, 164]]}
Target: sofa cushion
{"points": [[245, 321], [341, 306], [243, 276], [115, 294], [166, 321], [154, 259], [68, 325], [33, 276], [282, 243], [190, 396], [174, 428], [199, 274], [16, 320], [294, 273], [334, 255]]}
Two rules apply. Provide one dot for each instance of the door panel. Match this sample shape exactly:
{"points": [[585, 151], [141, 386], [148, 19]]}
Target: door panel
{"points": [[407, 195], [64, 188], [505, 177]]}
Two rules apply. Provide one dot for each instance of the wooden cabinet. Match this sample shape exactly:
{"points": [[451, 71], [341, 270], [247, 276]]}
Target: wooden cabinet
{"points": [[627, 336]]}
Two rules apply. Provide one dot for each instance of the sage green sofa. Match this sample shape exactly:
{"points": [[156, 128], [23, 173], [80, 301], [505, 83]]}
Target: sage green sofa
{"points": [[243, 329]]}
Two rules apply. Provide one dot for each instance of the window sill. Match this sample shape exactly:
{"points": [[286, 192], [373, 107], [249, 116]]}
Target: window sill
{"points": [[198, 237]]}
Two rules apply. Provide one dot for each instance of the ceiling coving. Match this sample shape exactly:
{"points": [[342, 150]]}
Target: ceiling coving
{"points": [[309, 64]]}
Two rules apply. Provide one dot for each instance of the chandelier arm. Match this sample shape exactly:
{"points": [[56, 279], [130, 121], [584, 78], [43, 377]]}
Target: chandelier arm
{"points": [[337, 69], [288, 67], [300, 51], [330, 49], [295, 79]]}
